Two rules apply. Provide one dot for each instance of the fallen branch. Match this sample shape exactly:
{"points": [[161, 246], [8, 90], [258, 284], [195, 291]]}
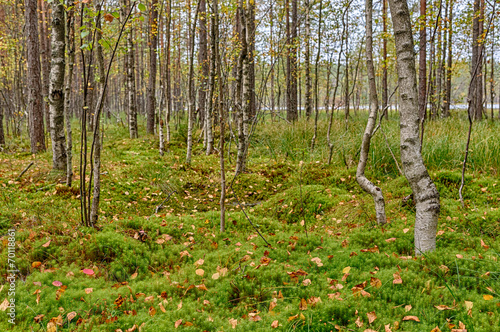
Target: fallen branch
{"points": [[25, 170]]}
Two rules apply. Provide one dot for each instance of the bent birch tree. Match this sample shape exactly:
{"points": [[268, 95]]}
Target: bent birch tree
{"points": [[364, 183]]}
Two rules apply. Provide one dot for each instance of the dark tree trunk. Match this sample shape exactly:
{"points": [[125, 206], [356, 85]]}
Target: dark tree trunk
{"points": [[34, 103], [151, 90]]}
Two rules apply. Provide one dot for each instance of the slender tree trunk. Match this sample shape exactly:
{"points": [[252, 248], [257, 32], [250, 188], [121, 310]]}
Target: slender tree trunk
{"points": [[447, 105], [422, 65], [250, 12], [492, 73], [291, 91], [191, 98], [273, 60], [203, 74], [476, 89], [364, 183], [45, 57], [70, 42], [384, 59], [34, 102], [211, 84], [2, 135], [443, 59], [168, 71], [241, 103], [425, 193], [56, 88], [439, 68], [153, 44], [307, 59], [316, 78], [346, 71], [131, 80]]}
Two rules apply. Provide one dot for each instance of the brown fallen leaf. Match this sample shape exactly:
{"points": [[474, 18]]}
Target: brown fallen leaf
{"points": [[46, 244], [375, 282], [71, 315], [275, 324], [152, 311], [36, 264], [484, 245], [392, 239], [179, 306], [387, 328], [413, 318], [487, 297], [317, 260], [293, 317], [233, 322], [397, 279], [408, 307], [88, 290], [272, 305], [371, 316], [359, 322], [436, 329], [442, 307], [162, 308], [303, 304], [51, 327], [200, 272], [177, 323], [459, 256], [38, 318]]}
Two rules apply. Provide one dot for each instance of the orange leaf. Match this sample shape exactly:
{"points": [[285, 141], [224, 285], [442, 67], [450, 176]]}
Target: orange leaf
{"points": [[397, 279], [303, 304], [375, 282], [108, 17], [177, 323], [487, 297], [413, 318], [442, 307], [36, 264], [275, 324]]}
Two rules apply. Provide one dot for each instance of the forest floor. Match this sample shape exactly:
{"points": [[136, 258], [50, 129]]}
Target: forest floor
{"points": [[328, 265]]}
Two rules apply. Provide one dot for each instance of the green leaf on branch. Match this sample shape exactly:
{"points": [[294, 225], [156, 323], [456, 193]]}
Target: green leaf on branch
{"points": [[141, 7]]}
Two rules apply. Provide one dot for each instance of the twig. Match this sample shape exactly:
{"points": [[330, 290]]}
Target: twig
{"points": [[25, 170], [159, 207]]}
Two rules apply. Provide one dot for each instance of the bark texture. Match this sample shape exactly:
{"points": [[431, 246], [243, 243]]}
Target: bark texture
{"points": [[56, 87], [425, 193], [70, 44], [422, 65], [151, 90], [364, 183], [34, 101]]}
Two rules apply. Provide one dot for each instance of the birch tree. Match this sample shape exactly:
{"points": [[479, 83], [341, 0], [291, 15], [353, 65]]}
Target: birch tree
{"points": [[366, 184], [425, 193], [56, 87]]}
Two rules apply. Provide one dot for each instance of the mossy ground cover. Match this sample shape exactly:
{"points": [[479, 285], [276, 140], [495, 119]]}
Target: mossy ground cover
{"points": [[329, 266]]}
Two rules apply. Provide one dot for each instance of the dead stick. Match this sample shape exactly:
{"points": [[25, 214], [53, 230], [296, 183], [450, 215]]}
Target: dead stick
{"points": [[25, 170]]}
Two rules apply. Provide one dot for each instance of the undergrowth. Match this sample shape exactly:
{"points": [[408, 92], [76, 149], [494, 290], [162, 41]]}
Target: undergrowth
{"points": [[329, 266]]}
